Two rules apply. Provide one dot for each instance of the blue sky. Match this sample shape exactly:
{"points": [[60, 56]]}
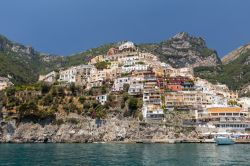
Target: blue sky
{"points": [[68, 26]]}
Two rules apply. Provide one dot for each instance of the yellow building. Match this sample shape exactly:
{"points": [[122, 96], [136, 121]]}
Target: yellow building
{"points": [[225, 112], [187, 98], [96, 59]]}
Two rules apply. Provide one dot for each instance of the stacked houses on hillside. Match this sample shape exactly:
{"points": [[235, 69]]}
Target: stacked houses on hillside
{"points": [[161, 87]]}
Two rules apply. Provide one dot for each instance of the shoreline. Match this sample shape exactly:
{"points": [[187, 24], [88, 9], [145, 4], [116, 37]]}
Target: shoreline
{"points": [[194, 141]]}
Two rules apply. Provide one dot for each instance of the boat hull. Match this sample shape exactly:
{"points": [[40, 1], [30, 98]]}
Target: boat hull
{"points": [[224, 141]]}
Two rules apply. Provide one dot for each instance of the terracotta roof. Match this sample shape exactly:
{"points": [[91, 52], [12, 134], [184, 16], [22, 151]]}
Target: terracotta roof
{"points": [[224, 110]]}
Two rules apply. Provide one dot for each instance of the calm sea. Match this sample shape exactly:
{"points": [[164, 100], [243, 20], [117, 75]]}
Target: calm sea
{"points": [[123, 154]]}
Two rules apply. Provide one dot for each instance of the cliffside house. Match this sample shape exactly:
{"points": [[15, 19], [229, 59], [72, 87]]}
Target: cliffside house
{"points": [[77, 74], [102, 98], [152, 105], [49, 78], [195, 99], [119, 83]]}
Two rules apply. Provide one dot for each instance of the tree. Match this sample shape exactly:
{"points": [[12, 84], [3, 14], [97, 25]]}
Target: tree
{"points": [[124, 99], [111, 100], [132, 105], [47, 100], [81, 99], [60, 91], [126, 87], [232, 102], [102, 65], [28, 109], [73, 89], [45, 88], [103, 89], [10, 91]]}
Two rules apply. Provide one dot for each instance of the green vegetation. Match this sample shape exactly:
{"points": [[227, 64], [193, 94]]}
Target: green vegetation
{"points": [[30, 111], [24, 68], [235, 74], [134, 105], [126, 87], [102, 65], [41, 102], [140, 63], [205, 52]]}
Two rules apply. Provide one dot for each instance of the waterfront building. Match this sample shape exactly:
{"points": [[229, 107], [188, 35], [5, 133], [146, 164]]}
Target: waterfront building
{"points": [[228, 117]]}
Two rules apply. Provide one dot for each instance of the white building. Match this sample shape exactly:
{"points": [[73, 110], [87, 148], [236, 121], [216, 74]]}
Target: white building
{"points": [[4, 83], [76, 74], [129, 60], [152, 104], [119, 82], [50, 77], [137, 67], [102, 99], [126, 45], [136, 86]]}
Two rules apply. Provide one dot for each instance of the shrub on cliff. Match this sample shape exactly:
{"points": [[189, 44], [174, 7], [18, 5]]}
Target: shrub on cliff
{"points": [[47, 100], [30, 111], [45, 88], [82, 99], [126, 87], [102, 65], [111, 101], [132, 104]]}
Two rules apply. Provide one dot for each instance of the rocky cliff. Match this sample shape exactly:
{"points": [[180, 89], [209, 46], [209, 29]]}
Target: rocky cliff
{"points": [[22, 64], [80, 129], [234, 71], [184, 50], [235, 54]]}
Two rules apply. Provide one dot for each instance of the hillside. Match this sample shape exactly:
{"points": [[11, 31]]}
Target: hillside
{"points": [[22, 64], [235, 71], [235, 54], [183, 50]]}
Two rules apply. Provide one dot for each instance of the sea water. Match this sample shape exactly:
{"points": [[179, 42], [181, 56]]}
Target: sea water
{"points": [[123, 154]]}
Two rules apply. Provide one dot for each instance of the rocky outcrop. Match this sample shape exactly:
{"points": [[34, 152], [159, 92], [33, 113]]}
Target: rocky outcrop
{"points": [[21, 50], [184, 50], [235, 54], [23, 63], [80, 129]]}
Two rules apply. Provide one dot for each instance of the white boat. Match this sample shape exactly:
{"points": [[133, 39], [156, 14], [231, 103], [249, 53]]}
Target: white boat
{"points": [[224, 140]]}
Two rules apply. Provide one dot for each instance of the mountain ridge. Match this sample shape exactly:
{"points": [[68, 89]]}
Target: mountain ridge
{"points": [[181, 50], [235, 54]]}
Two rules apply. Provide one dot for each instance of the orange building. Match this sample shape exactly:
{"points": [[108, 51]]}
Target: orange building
{"points": [[175, 87]]}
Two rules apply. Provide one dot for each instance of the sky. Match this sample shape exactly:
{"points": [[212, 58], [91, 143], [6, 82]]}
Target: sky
{"points": [[65, 27]]}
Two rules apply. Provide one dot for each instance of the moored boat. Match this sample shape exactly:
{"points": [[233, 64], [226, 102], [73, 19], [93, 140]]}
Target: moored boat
{"points": [[224, 140]]}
